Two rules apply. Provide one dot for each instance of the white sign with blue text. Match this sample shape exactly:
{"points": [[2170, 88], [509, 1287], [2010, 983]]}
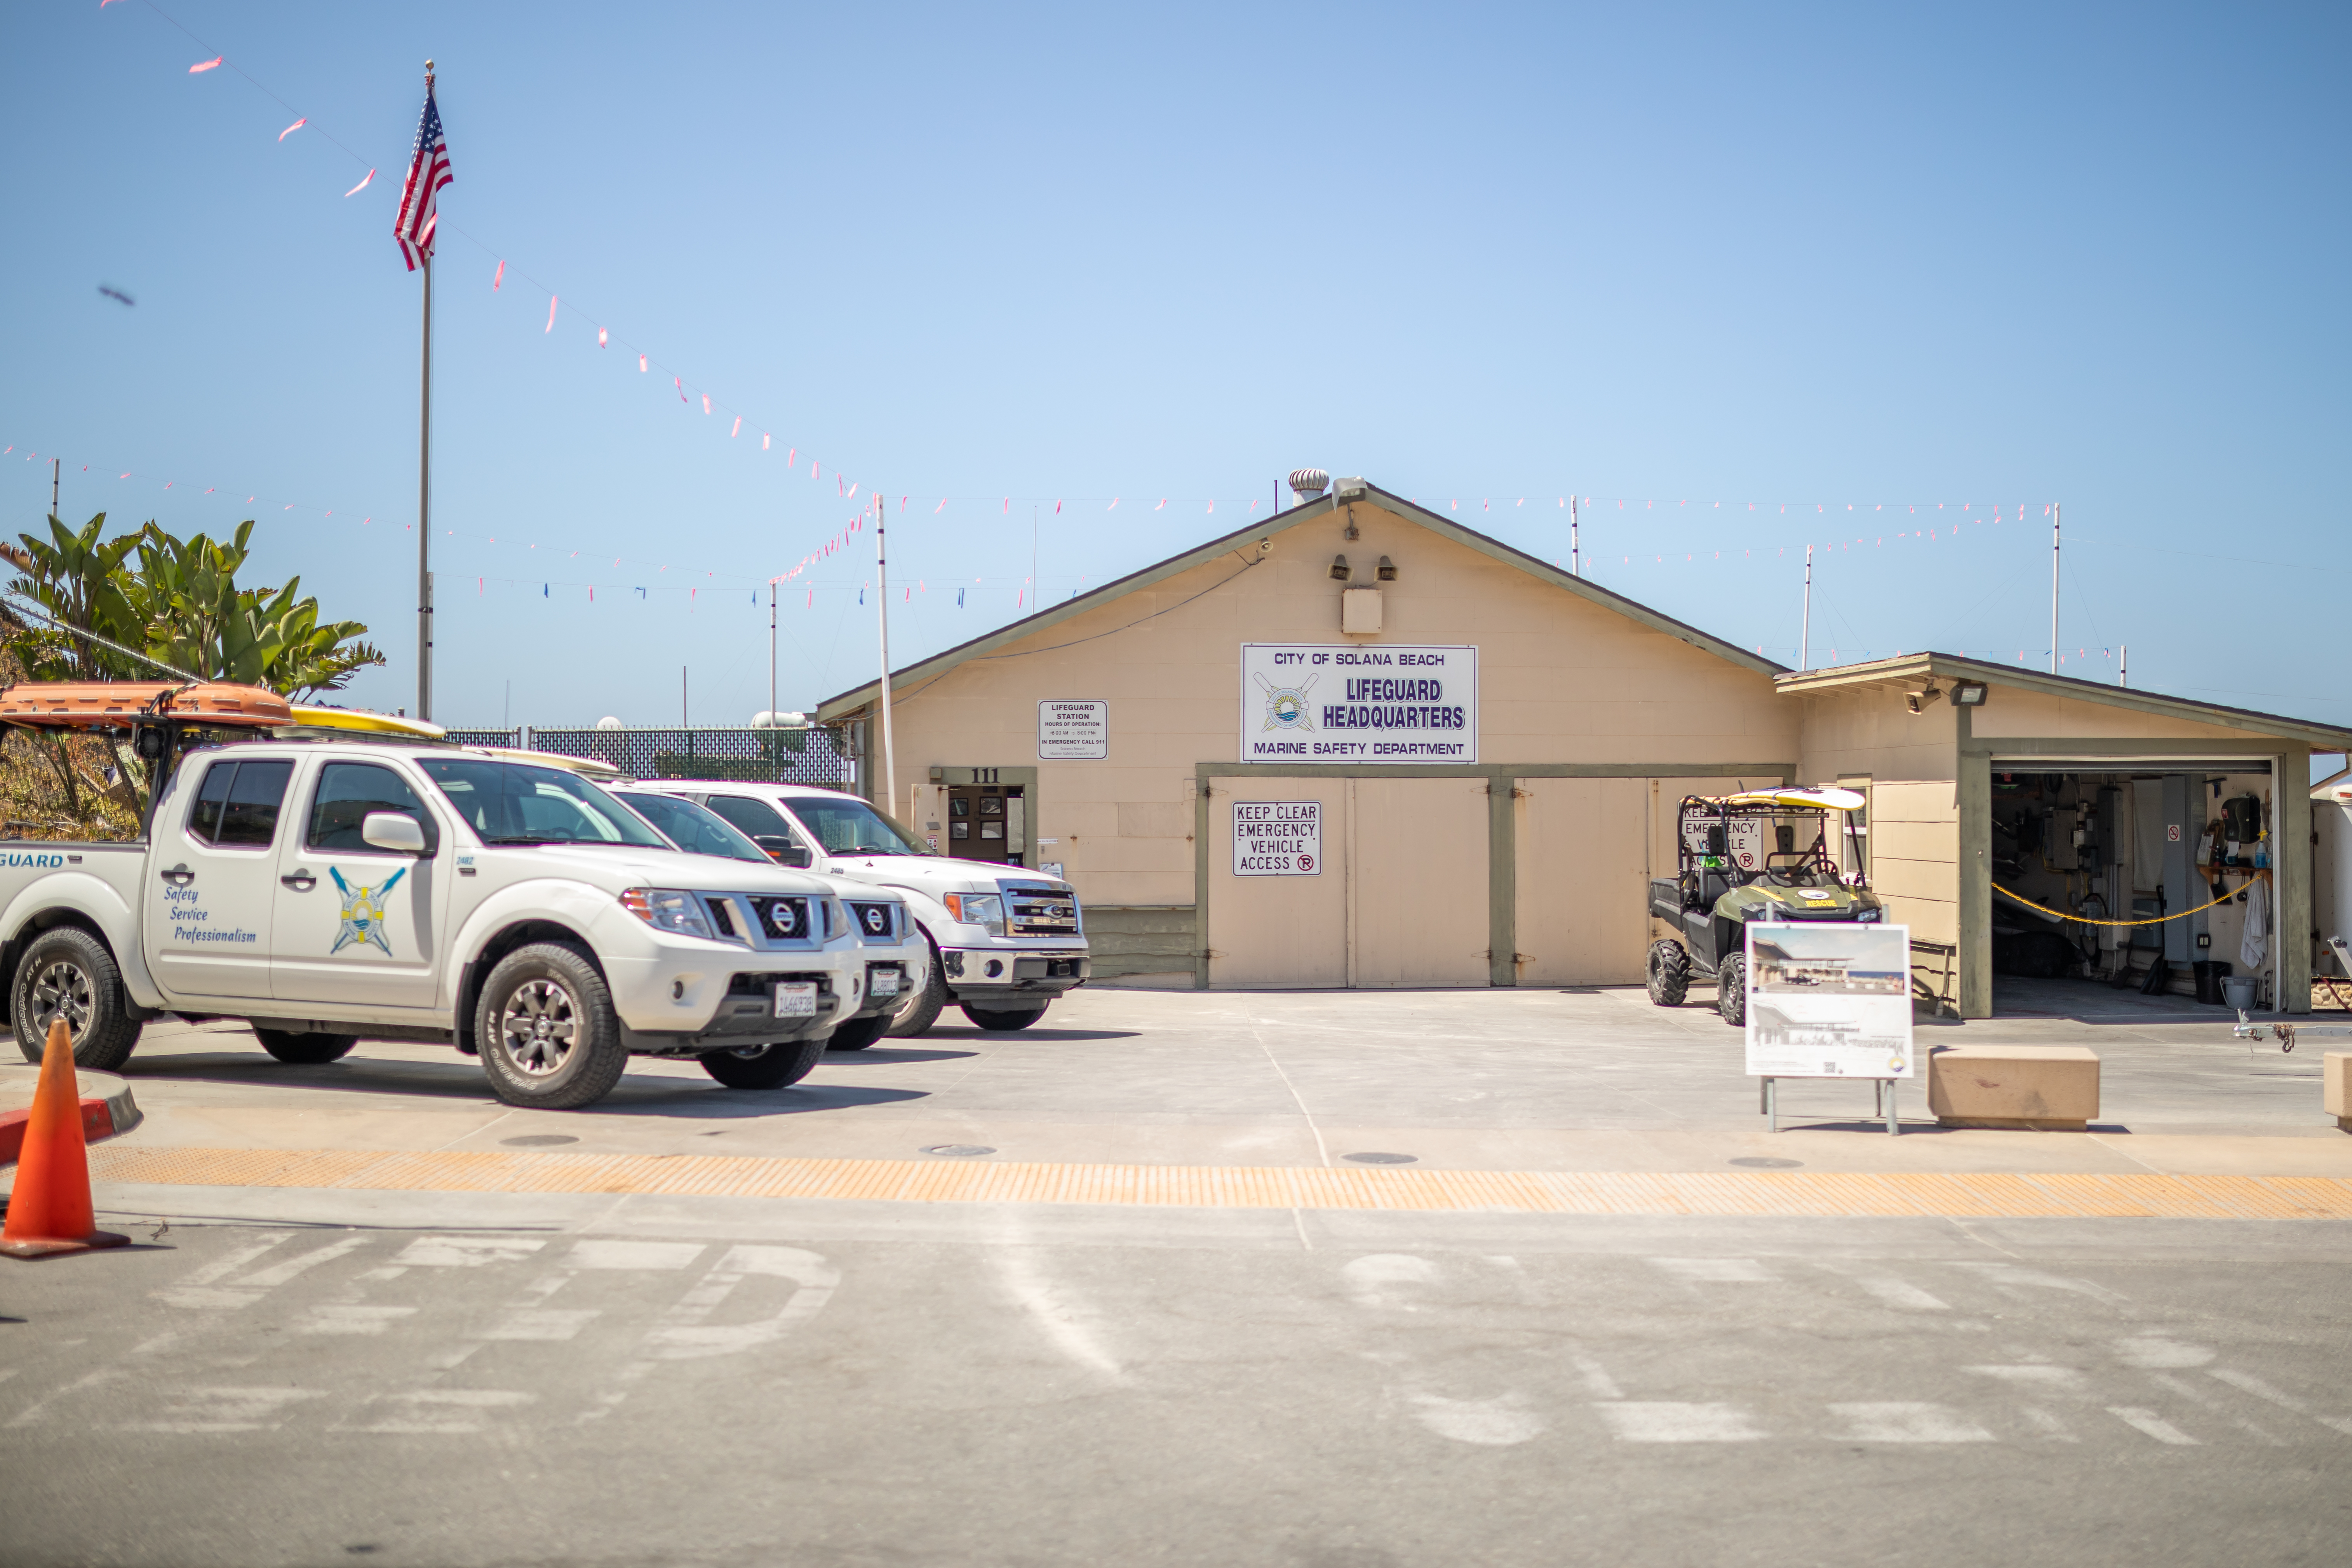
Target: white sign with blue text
{"points": [[1304, 702]]}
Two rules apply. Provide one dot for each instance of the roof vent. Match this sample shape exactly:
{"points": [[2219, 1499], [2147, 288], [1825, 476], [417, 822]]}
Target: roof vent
{"points": [[1308, 483]]}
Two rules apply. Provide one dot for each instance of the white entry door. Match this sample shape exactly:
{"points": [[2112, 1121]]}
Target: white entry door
{"points": [[356, 925], [215, 849]]}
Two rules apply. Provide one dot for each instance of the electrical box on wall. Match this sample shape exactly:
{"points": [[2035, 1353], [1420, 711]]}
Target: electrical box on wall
{"points": [[1359, 611]]}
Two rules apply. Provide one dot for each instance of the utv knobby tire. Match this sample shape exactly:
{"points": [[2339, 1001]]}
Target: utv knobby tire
{"points": [[859, 1033], [765, 1067], [919, 1011], [1003, 1022], [1731, 990], [65, 970], [305, 1050], [577, 1057], [1669, 974]]}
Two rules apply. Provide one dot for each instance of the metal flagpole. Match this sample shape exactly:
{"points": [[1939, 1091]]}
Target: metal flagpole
{"points": [[1805, 637], [1575, 551], [882, 576], [424, 490], [2053, 587], [772, 651]]}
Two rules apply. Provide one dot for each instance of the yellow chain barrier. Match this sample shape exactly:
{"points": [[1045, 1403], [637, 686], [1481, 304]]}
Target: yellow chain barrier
{"points": [[2085, 920]]}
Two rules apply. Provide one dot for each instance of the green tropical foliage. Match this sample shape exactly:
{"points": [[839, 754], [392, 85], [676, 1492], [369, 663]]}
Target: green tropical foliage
{"points": [[177, 601]]}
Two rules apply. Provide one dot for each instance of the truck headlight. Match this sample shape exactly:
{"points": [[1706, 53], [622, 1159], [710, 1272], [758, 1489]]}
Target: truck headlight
{"points": [[1861, 915], [666, 909], [977, 910]]}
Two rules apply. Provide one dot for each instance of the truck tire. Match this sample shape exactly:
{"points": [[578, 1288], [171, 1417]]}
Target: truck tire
{"points": [[1731, 990], [859, 1033], [69, 972], [1005, 1022], [1669, 974], [765, 1067], [919, 1012], [305, 1050], [546, 1029]]}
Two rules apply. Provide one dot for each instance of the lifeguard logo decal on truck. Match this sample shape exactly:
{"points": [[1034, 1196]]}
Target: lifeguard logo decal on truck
{"points": [[364, 912]]}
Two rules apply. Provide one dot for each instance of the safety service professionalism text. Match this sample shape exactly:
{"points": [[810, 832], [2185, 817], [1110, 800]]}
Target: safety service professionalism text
{"points": [[1387, 704]]}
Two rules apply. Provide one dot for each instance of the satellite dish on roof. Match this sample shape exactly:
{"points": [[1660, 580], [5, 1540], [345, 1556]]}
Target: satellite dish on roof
{"points": [[1308, 483]]}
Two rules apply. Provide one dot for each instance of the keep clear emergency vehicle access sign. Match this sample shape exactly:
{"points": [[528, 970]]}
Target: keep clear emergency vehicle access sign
{"points": [[1277, 838]]}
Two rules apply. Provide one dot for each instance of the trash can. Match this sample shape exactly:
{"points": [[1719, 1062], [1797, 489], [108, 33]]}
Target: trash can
{"points": [[2238, 990], [2210, 973]]}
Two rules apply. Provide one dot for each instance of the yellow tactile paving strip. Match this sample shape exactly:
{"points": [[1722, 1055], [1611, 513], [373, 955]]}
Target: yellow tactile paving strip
{"points": [[1772, 1193]]}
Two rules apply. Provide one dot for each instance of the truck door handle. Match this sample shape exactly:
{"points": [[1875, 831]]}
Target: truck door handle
{"points": [[301, 881], [179, 876]]}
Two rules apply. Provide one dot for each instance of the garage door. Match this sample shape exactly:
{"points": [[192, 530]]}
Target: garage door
{"points": [[1587, 849], [1397, 895]]}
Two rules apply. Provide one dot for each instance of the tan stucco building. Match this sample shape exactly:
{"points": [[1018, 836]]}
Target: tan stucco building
{"points": [[1545, 744]]}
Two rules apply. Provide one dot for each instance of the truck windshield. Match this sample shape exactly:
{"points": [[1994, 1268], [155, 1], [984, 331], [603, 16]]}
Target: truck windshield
{"points": [[510, 803], [693, 830], [847, 826]]}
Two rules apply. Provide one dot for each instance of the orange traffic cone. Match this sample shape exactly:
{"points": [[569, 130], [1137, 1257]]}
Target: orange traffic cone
{"points": [[49, 1212]]}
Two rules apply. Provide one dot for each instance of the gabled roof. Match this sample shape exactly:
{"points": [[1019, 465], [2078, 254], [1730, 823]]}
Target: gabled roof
{"points": [[1917, 669], [984, 646]]}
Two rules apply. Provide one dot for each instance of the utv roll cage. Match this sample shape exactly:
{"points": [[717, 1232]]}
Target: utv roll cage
{"points": [[1714, 851]]}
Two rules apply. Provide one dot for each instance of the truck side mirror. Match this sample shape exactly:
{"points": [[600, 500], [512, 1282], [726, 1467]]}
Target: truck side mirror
{"points": [[393, 830], [783, 851]]}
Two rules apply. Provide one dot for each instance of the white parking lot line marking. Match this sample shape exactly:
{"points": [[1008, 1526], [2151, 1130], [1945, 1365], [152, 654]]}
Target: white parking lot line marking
{"points": [[1906, 1421], [683, 1336], [192, 1292], [2150, 1422], [1715, 1270], [633, 1253], [2285, 1401], [1370, 1281], [2064, 1378], [1492, 1423], [537, 1323], [1667, 1421], [220, 1409], [1901, 1293], [271, 1278], [467, 1251], [1597, 1380], [2010, 1277], [2047, 1423], [442, 1411], [32, 1412], [2155, 1351], [345, 1318]]}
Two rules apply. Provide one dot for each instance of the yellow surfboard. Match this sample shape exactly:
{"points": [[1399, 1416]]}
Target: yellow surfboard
{"points": [[359, 723], [1800, 799]]}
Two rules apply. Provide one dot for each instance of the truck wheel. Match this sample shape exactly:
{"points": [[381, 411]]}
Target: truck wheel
{"points": [[548, 1034], [765, 1067], [1669, 974], [1731, 990], [304, 1050], [859, 1033], [1006, 1022], [919, 1012], [67, 973]]}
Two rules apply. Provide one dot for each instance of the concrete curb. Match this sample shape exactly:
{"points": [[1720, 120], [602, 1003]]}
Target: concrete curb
{"points": [[108, 1107]]}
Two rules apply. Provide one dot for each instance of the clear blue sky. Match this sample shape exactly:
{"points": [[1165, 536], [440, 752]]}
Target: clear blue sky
{"points": [[1815, 256]]}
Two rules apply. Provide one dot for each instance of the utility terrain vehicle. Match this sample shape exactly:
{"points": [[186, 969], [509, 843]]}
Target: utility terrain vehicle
{"points": [[1745, 857]]}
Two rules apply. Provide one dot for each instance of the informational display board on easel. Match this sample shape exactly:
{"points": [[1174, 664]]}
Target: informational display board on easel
{"points": [[1829, 1000]]}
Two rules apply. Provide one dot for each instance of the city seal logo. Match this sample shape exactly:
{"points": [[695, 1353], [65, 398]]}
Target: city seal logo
{"points": [[1286, 706], [364, 912]]}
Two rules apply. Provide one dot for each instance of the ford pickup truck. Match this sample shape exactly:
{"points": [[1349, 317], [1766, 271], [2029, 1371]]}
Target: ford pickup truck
{"points": [[1008, 941], [326, 890]]}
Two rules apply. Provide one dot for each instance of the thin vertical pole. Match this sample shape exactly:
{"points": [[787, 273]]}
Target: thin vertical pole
{"points": [[55, 465], [2123, 665], [882, 576], [771, 652], [685, 720], [424, 503], [1805, 637], [1575, 543], [2053, 587]]}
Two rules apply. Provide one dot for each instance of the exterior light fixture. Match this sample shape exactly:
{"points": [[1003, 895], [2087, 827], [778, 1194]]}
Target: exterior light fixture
{"points": [[1967, 693], [1386, 572], [1339, 568], [1919, 701]]}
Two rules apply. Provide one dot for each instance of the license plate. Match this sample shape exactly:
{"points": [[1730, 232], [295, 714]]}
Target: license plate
{"points": [[884, 982], [796, 1000]]}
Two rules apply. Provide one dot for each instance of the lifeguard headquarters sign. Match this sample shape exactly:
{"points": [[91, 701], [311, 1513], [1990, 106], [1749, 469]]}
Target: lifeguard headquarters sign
{"points": [[1377, 703]]}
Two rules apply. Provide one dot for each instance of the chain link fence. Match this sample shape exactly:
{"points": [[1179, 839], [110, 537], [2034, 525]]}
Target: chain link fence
{"points": [[805, 756]]}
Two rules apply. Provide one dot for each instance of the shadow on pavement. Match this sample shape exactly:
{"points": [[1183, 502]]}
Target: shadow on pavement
{"points": [[885, 1054]]}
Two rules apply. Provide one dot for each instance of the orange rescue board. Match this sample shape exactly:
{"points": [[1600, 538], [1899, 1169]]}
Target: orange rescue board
{"points": [[89, 704]]}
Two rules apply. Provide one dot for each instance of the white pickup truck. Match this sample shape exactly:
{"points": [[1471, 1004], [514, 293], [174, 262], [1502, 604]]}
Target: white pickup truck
{"points": [[327, 890], [1007, 940]]}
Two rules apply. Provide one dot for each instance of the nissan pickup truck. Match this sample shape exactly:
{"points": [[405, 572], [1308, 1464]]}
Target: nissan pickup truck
{"points": [[1007, 941], [327, 890]]}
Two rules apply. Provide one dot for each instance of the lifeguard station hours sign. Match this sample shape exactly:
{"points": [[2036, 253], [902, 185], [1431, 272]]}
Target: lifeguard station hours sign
{"points": [[1305, 703], [1277, 838]]}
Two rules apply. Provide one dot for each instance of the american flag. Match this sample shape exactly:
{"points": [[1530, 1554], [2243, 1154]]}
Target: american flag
{"points": [[427, 173]]}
